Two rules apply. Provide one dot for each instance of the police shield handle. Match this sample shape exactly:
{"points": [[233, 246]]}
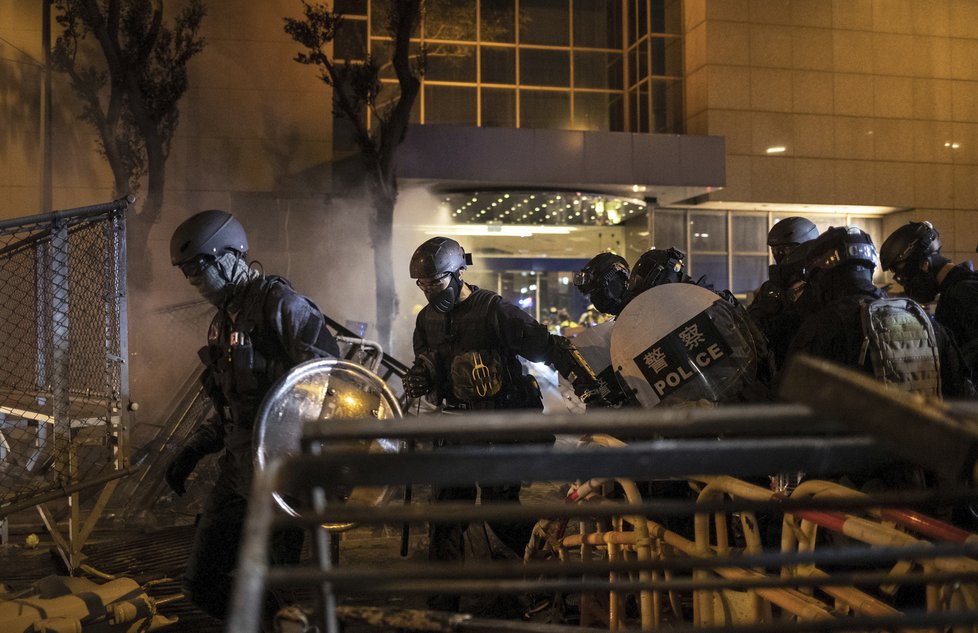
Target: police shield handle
{"points": [[918, 429]]}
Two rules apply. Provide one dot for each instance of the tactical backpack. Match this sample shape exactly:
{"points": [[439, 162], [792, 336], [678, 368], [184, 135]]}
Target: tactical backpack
{"points": [[899, 340]]}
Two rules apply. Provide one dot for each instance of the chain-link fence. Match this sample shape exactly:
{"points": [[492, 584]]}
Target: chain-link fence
{"points": [[63, 347]]}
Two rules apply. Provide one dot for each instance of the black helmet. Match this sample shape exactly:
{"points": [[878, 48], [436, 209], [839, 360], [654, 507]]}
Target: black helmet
{"points": [[655, 267], [438, 255], [787, 234], [793, 230], [840, 246], [210, 233], [602, 269], [603, 281], [907, 247]]}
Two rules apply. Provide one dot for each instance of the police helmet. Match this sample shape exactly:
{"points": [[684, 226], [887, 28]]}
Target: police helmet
{"points": [[906, 248], [603, 269], [438, 255], [209, 233], [793, 230], [840, 246], [787, 234], [657, 266]]}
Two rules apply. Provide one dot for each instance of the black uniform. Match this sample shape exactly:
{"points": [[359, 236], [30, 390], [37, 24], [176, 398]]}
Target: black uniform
{"points": [[957, 310], [835, 333], [481, 335], [274, 330], [777, 318]]}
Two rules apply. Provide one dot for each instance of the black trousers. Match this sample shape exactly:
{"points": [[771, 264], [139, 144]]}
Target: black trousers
{"points": [[208, 580], [446, 541]]}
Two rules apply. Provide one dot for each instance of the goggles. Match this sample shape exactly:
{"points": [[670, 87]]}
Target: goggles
{"points": [[429, 283], [197, 266]]}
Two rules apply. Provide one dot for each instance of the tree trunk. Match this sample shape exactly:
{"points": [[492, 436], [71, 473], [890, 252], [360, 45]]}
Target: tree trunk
{"points": [[381, 232], [141, 224]]}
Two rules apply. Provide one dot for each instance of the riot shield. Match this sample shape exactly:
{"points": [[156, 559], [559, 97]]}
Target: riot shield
{"points": [[324, 389], [679, 344]]}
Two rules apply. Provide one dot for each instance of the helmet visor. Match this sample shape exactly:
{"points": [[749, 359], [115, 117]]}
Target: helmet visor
{"points": [[196, 266], [435, 283]]}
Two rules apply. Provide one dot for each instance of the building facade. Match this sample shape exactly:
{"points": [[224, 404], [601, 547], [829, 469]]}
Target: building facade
{"points": [[694, 123]]}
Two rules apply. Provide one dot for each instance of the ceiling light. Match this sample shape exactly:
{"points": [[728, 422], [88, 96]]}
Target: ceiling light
{"points": [[777, 149]]}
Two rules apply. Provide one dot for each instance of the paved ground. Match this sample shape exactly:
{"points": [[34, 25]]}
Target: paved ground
{"points": [[158, 557]]}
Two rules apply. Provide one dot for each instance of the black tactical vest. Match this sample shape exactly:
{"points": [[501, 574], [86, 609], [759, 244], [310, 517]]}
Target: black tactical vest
{"points": [[472, 326]]}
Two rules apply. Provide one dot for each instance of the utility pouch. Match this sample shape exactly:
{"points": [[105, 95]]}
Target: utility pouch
{"points": [[242, 357], [476, 376]]}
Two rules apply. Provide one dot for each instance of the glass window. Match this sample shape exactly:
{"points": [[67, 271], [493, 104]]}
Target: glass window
{"points": [[544, 109], [351, 40], [498, 107], [669, 229], [673, 56], [449, 104], [450, 20], [714, 267], [498, 21], [498, 65], [667, 105], [544, 68], [545, 22], [641, 111], [450, 62], [749, 272], [709, 232], [632, 23], [597, 23], [382, 52], [597, 111], [379, 11], [658, 56], [642, 59], [597, 70], [350, 7], [749, 234]]}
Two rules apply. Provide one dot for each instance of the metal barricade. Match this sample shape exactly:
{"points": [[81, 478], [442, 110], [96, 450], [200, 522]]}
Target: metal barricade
{"points": [[627, 568], [64, 386]]}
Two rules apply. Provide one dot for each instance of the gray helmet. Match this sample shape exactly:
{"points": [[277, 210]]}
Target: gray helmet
{"points": [[436, 256], [907, 247], [210, 233], [787, 234], [793, 230], [839, 246]]}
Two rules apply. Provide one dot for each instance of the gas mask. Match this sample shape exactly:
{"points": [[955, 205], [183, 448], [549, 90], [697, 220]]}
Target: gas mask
{"points": [[444, 300], [217, 281]]}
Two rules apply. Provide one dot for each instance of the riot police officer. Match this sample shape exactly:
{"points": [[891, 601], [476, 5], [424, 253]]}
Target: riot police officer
{"points": [[261, 330], [603, 280], [913, 254], [772, 308], [466, 343], [840, 306]]}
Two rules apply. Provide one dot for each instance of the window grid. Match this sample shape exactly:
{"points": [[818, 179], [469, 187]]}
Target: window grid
{"points": [[870, 224], [634, 37]]}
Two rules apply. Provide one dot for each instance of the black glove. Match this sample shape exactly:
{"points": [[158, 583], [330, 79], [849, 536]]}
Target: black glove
{"points": [[417, 382], [589, 391], [181, 467]]}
